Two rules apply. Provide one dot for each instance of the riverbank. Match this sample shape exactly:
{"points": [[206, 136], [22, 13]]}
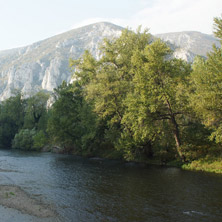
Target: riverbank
{"points": [[15, 198], [212, 165], [208, 164]]}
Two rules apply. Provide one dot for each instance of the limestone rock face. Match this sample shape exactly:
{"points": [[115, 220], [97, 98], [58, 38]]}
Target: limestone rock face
{"points": [[189, 44], [45, 64]]}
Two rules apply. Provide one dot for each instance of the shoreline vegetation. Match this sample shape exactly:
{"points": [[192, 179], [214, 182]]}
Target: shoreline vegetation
{"points": [[207, 164], [136, 103]]}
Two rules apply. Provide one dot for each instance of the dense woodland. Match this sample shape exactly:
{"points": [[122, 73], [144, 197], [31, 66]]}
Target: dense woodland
{"points": [[136, 102]]}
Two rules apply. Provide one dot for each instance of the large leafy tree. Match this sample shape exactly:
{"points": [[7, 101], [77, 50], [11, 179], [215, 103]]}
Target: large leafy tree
{"points": [[107, 81], [137, 88], [206, 80], [157, 102], [36, 111], [71, 122]]}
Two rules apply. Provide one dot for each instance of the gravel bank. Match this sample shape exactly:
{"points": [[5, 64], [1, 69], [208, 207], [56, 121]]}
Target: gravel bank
{"points": [[14, 197]]}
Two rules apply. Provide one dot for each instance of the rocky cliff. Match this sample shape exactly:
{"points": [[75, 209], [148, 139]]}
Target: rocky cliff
{"points": [[189, 44], [44, 65]]}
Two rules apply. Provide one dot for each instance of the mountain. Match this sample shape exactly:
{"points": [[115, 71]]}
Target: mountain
{"points": [[45, 64], [187, 45]]}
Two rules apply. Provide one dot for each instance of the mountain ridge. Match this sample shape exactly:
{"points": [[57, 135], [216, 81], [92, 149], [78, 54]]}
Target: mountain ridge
{"points": [[199, 43], [43, 65]]}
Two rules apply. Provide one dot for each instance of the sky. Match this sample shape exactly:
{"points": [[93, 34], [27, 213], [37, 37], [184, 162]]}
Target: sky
{"points": [[23, 22]]}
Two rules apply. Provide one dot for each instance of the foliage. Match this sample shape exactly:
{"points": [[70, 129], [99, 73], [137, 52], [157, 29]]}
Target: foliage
{"points": [[206, 96], [218, 27], [136, 102], [71, 122], [207, 164], [106, 82], [11, 119], [24, 139], [27, 139], [156, 100], [21, 118], [36, 111], [39, 140], [137, 88]]}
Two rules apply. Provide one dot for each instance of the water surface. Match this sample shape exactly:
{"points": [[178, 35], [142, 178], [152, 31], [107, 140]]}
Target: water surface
{"points": [[83, 189]]}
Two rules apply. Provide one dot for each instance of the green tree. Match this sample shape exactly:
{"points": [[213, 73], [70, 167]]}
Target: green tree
{"points": [[137, 89], [24, 139], [39, 140], [157, 103], [107, 82], [12, 112], [218, 27], [206, 80], [71, 122], [36, 111]]}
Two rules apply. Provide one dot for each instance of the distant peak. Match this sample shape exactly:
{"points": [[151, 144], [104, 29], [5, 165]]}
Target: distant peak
{"points": [[102, 23]]}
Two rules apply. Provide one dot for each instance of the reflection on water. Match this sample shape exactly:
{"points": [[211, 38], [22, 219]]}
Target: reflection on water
{"points": [[97, 190]]}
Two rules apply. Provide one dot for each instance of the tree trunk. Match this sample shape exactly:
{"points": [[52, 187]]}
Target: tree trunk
{"points": [[176, 135], [176, 132], [148, 151]]}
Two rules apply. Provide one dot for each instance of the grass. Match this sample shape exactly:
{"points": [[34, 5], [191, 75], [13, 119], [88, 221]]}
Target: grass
{"points": [[7, 194], [208, 164]]}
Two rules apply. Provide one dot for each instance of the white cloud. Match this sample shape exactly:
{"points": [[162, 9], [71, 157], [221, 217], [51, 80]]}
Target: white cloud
{"points": [[162, 16], [178, 15]]}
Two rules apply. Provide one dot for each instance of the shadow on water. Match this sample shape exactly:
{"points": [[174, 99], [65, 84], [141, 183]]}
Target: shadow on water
{"points": [[100, 190]]}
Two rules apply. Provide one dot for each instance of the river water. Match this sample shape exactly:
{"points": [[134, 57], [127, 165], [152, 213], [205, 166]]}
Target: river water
{"points": [[81, 189]]}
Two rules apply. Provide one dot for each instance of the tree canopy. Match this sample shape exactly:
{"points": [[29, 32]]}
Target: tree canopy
{"points": [[135, 102]]}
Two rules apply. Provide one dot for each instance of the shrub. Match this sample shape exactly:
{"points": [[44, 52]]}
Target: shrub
{"points": [[39, 140], [24, 139]]}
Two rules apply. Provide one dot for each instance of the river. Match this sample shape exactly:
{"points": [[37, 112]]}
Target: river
{"points": [[81, 189]]}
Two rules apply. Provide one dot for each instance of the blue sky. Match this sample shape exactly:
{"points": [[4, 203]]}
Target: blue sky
{"points": [[24, 22]]}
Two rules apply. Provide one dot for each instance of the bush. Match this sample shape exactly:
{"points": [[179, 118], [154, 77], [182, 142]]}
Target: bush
{"points": [[24, 139], [27, 139], [39, 140]]}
